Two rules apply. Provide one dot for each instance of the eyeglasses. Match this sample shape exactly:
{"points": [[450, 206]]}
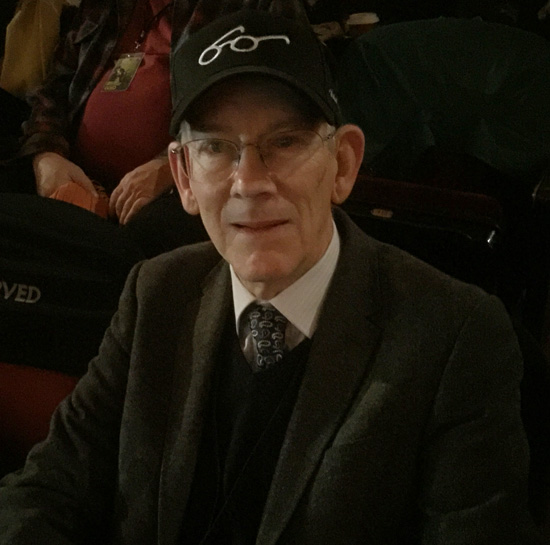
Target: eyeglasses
{"points": [[215, 160]]}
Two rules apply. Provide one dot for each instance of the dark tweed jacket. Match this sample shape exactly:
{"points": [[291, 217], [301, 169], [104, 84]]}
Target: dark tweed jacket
{"points": [[406, 429]]}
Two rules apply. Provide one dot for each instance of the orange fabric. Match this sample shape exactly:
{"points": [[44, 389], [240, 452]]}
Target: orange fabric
{"points": [[75, 194]]}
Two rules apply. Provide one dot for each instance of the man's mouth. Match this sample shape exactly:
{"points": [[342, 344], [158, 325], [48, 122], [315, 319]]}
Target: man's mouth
{"points": [[259, 226]]}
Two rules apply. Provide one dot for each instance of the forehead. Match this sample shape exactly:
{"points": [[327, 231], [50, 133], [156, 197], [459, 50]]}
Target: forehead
{"points": [[262, 94]]}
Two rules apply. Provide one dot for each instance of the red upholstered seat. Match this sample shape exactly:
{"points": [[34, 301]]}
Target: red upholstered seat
{"points": [[28, 397]]}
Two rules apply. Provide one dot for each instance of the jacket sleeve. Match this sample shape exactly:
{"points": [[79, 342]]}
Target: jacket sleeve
{"points": [[476, 458], [65, 493]]}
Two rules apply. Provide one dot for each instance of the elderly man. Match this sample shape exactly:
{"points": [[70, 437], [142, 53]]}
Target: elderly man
{"points": [[309, 386]]}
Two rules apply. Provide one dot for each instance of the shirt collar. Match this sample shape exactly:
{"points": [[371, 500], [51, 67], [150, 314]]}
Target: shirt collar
{"points": [[301, 302]]}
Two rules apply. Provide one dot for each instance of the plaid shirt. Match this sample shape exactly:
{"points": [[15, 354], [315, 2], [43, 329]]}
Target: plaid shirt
{"points": [[83, 56]]}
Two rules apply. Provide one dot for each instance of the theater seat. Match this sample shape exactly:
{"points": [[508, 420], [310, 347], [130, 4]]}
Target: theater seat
{"points": [[459, 232], [28, 397]]}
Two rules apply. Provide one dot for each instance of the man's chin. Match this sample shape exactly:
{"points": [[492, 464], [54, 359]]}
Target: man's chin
{"points": [[265, 271]]}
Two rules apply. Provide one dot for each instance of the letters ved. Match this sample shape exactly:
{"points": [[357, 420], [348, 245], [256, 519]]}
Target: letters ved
{"points": [[20, 293], [242, 43]]}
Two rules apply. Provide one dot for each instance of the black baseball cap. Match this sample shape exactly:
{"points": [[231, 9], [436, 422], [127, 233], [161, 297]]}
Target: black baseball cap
{"points": [[252, 42]]}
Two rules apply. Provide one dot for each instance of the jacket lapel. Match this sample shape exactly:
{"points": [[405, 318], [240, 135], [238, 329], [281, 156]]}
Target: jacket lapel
{"points": [[339, 360], [204, 320]]}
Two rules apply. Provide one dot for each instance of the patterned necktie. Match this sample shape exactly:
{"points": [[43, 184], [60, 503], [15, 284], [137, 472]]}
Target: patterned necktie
{"points": [[267, 327]]}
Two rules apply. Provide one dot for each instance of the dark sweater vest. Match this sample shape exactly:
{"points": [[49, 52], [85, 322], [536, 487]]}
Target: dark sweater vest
{"points": [[248, 417]]}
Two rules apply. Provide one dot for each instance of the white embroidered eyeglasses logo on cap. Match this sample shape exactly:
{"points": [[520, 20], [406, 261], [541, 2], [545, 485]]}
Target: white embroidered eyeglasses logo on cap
{"points": [[237, 44]]}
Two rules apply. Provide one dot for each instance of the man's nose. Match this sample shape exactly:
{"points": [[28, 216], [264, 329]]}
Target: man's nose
{"points": [[251, 175]]}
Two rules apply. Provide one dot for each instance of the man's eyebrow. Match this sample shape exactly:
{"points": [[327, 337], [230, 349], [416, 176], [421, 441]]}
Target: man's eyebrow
{"points": [[290, 123]]}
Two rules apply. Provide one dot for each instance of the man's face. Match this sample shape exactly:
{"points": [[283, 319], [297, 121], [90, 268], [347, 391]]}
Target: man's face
{"points": [[271, 229]]}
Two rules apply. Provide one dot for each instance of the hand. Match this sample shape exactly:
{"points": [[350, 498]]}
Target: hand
{"points": [[52, 170], [139, 187]]}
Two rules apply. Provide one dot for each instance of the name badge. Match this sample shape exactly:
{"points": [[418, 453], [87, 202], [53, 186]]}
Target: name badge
{"points": [[123, 72]]}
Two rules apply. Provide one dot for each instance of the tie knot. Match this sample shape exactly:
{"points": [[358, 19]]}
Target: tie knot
{"points": [[267, 328]]}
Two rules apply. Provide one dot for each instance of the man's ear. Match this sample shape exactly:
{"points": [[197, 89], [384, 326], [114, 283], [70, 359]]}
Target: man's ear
{"points": [[182, 181], [350, 145]]}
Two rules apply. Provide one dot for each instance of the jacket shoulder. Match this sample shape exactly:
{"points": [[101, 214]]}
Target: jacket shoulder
{"points": [[181, 270]]}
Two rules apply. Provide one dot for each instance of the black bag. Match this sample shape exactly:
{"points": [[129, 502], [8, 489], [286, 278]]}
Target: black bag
{"points": [[62, 270]]}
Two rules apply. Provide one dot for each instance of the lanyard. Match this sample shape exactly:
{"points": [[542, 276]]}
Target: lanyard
{"points": [[149, 24]]}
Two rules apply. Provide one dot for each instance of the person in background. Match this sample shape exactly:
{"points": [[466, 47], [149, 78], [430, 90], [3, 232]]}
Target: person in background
{"points": [[80, 131], [105, 148]]}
